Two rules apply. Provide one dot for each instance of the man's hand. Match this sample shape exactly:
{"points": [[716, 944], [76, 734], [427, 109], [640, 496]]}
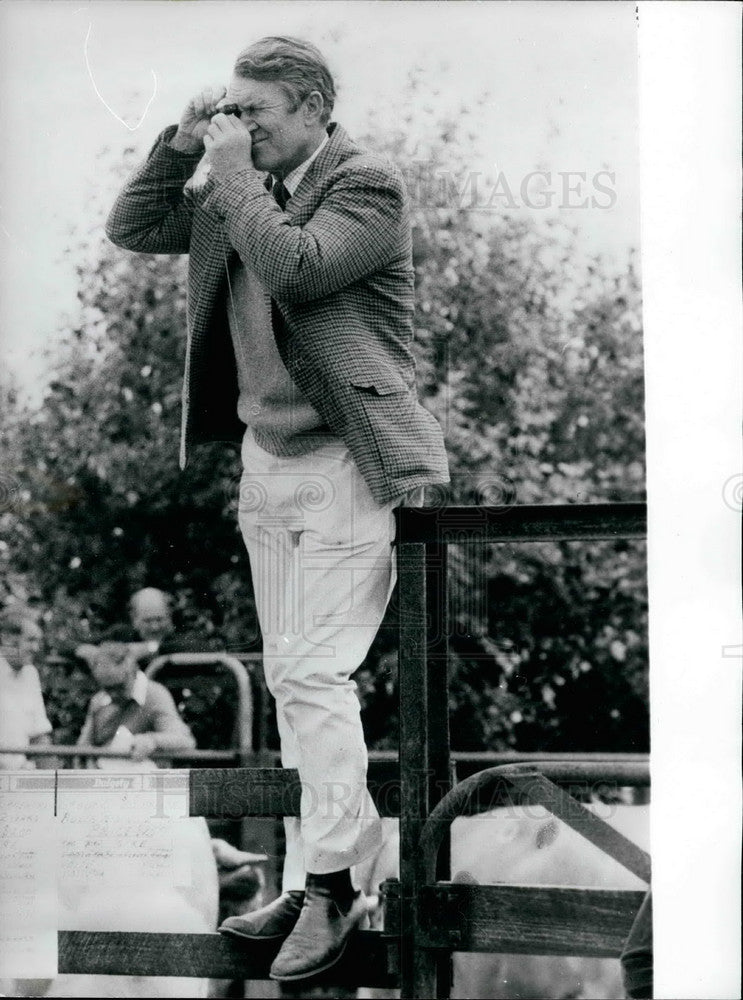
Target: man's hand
{"points": [[195, 120], [228, 146], [143, 746]]}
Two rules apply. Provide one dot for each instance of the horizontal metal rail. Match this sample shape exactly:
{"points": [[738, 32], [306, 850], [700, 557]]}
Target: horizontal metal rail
{"points": [[67, 750], [493, 758], [485, 758]]}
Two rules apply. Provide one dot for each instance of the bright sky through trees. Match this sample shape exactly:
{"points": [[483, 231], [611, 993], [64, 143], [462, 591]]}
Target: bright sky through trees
{"points": [[76, 78]]}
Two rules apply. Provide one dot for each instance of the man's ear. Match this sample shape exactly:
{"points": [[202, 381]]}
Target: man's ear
{"points": [[313, 108]]}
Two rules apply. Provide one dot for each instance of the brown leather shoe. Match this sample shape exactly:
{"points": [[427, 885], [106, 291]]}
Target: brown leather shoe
{"points": [[319, 937], [275, 920]]}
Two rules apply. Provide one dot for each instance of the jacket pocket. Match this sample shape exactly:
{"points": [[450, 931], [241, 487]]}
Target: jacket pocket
{"points": [[379, 385]]}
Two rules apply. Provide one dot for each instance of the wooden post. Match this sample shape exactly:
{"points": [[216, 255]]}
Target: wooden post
{"points": [[424, 747], [437, 730], [416, 968]]}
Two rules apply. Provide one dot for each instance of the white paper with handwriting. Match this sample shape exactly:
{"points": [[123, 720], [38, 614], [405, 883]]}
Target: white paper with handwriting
{"points": [[28, 882], [118, 830], [65, 837]]}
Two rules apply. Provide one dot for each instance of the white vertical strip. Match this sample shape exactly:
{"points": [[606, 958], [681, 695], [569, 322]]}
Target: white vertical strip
{"points": [[690, 177]]}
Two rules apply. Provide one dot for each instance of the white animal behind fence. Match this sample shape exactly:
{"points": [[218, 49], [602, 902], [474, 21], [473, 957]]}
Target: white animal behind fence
{"points": [[523, 845]]}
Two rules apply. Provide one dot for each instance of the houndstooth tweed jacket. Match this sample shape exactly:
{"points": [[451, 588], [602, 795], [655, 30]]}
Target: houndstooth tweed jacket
{"points": [[337, 263]]}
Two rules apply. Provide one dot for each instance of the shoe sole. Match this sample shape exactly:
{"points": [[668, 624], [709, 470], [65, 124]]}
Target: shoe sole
{"points": [[234, 932], [315, 972], [228, 932]]}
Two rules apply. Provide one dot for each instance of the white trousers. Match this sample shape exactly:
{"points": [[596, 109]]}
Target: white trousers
{"points": [[323, 568]]}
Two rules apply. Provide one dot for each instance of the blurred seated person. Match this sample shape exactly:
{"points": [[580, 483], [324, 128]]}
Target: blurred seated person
{"points": [[130, 712], [151, 633], [23, 718]]}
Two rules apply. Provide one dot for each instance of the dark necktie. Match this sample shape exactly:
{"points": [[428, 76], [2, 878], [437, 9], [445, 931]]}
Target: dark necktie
{"points": [[281, 194]]}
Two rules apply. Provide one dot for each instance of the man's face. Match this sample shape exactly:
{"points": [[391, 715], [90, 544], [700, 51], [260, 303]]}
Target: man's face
{"points": [[282, 139], [20, 645], [151, 619], [118, 691], [117, 680]]}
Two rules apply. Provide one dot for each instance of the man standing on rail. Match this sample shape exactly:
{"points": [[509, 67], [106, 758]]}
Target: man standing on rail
{"points": [[300, 329]]}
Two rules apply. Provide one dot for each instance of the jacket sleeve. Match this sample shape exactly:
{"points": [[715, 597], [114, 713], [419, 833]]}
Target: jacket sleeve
{"points": [[353, 232], [150, 214]]}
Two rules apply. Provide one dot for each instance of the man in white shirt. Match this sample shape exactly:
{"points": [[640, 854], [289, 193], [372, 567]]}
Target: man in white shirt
{"points": [[23, 719]]}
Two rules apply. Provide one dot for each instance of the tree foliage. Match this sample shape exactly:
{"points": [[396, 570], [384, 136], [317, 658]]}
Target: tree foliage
{"points": [[532, 362]]}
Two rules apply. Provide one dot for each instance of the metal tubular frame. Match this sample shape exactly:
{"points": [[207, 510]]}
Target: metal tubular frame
{"points": [[534, 785], [244, 721]]}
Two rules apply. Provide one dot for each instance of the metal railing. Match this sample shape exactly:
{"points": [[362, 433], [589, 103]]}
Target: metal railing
{"points": [[243, 729]]}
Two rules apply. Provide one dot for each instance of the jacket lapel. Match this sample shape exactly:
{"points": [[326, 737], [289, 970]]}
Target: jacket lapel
{"points": [[338, 148]]}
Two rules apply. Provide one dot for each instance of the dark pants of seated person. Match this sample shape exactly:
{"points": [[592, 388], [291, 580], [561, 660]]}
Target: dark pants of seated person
{"points": [[637, 954]]}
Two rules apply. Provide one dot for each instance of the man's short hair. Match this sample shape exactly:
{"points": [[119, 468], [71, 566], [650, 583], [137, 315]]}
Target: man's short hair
{"points": [[149, 594], [296, 65]]}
